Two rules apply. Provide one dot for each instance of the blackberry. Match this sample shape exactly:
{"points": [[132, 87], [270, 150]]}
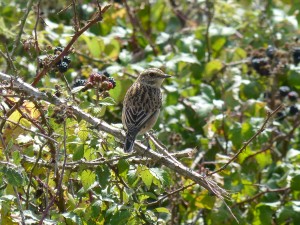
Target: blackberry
{"points": [[296, 55], [62, 67], [284, 90], [67, 59], [104, 72], [293, 110], [280, 116], [261, 66], [293, 96], [112, 81], [58, 50], [79, 82], [270, 51]]}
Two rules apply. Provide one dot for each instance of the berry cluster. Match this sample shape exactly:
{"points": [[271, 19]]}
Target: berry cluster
{"points": [[296, 55], [175, 139], [62, 66], [267, 61], [62, 112], [286, 93], [101, 79]]}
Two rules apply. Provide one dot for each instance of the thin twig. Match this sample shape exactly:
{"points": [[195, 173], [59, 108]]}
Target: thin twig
{"points": [[170, 194], [269, 116], [27, 129], [36, 43], [23, 20], [31, 175], [97, 18], [209, 14], [260, 194], [59, 185]]}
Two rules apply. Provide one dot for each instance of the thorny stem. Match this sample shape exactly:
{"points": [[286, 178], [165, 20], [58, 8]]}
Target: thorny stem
{"points": [[59, 186], [97, 18], [23, 20]]}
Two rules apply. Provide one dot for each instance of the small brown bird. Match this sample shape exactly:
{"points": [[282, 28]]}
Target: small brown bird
{"points": [[142, 105]]}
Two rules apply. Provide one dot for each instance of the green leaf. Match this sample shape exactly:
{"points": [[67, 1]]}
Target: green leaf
{"points": [[73, 217], [95, 45], [123, 167], [107, 101], [161, 175], [103, 175], [264, 159], [205, 200], [87, 178], [13, 176], [146, 176], [263, 215], [295, 183], [212, 68], [112, 49], [162, 210], [83, 132], [120, 217], [78, 152], [293, 77], [16, 157], [77, 89], [96, 208]]}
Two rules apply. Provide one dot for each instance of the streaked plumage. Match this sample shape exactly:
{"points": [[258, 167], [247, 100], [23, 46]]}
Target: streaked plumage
{"points": [[142, 105]]}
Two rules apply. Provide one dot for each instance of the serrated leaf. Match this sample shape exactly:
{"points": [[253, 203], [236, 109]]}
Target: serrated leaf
{"points": [[87, 178], [212, 68], [123, 167], [103, 175], [96, 208], [16, 157], [78, 153], [107, 101], [73, 217], [120, 217], [146, 176], [77, 89], [83, 133], [13, 177], [161, 175]]}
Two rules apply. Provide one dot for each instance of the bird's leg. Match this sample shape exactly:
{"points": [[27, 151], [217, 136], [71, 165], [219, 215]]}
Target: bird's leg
{"points": [[146, 136]]}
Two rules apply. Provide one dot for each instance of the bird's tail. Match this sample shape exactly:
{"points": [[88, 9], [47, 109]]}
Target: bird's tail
{"points": [[129, 142]]}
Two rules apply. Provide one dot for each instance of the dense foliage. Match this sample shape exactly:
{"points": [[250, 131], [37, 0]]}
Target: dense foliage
{"points": [[232, 62]]}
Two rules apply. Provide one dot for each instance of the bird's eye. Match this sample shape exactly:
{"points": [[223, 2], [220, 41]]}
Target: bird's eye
{"points": [[151, 74]]}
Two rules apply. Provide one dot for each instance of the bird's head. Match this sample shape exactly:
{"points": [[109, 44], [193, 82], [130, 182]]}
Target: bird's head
{"points": [[153, 77]]}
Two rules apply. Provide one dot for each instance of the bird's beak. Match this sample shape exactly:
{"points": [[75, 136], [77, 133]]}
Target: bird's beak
{"points": [[166, 76]]}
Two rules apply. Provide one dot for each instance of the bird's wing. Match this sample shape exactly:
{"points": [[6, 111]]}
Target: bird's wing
{"points": [[137, 117]]}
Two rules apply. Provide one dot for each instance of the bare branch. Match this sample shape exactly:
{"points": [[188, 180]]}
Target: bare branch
{"points": [[205, 182]]}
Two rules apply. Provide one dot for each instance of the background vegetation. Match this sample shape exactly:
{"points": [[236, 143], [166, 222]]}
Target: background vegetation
{"points": [[232, 62]]}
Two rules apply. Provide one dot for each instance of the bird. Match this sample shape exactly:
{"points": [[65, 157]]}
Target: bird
{"points": [[142, 104]]}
